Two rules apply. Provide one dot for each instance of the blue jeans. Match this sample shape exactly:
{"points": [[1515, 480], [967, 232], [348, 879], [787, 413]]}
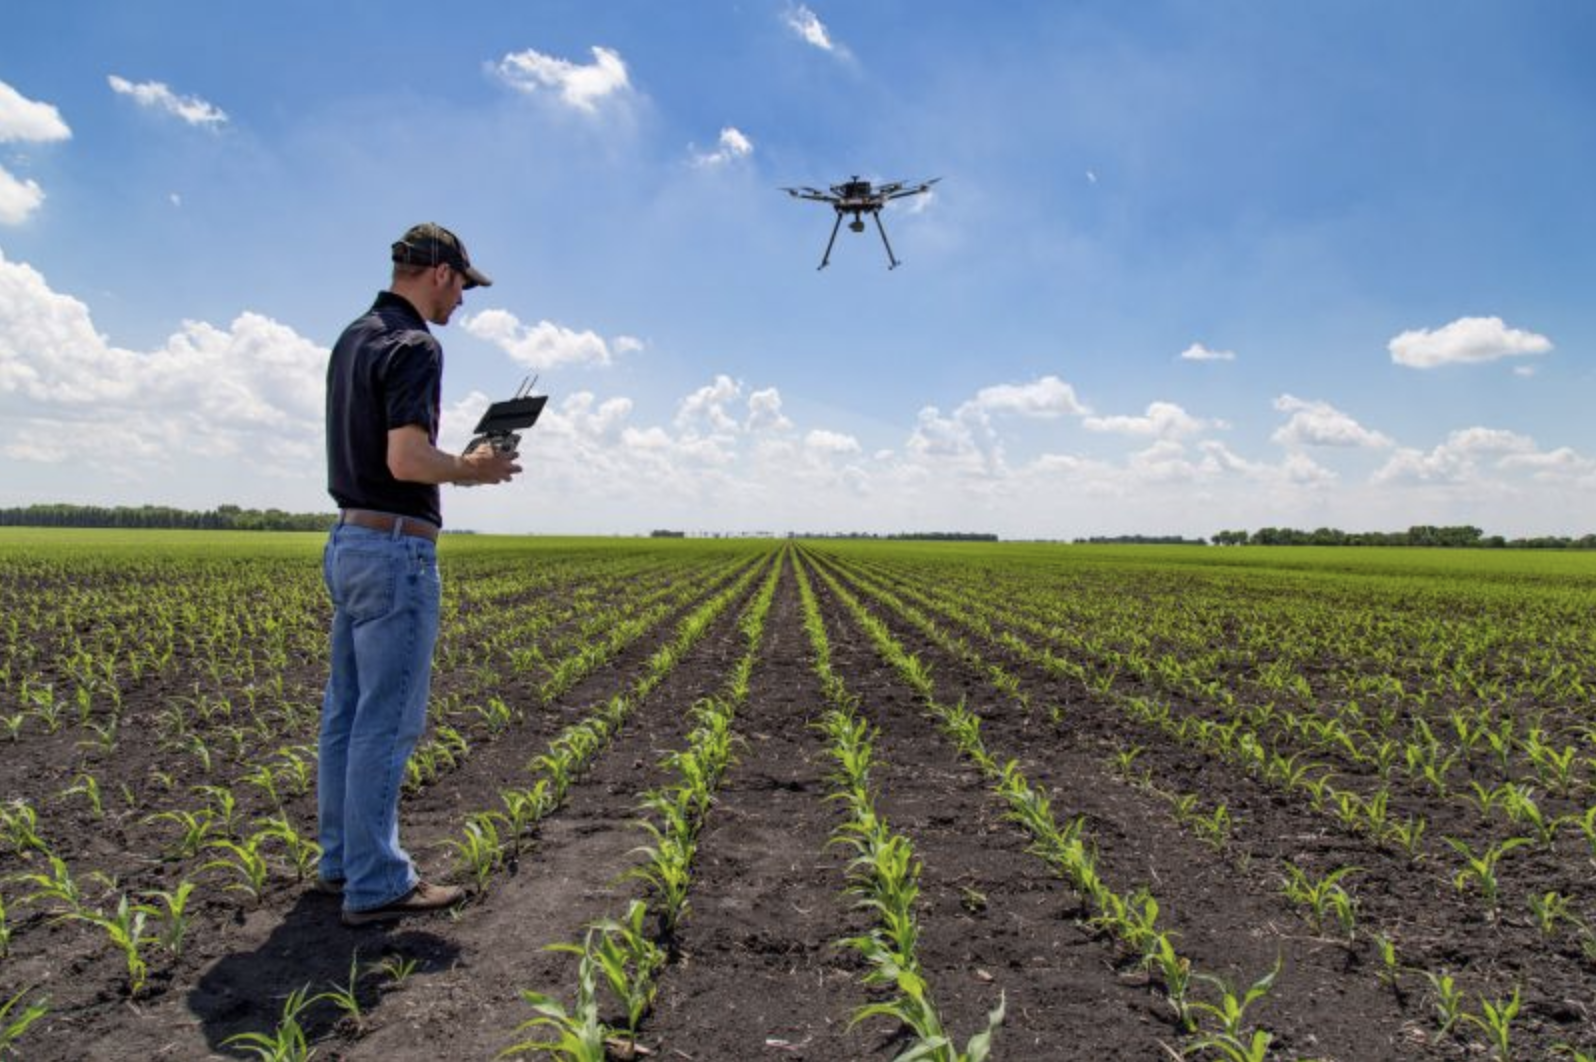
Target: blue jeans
{"points": [[385, 595]]}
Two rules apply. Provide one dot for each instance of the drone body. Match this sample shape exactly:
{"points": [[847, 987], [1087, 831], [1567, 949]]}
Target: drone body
{"points": [[859, 197]]}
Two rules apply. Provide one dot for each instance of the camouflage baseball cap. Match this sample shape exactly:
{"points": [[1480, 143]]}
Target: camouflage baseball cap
{"points": [[429, 244]]}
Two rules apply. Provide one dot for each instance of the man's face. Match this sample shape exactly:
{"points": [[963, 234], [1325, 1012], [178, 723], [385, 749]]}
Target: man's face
{"points": [[449, 291]]}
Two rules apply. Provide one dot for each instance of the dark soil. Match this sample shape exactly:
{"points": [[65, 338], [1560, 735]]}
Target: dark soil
{"points": [[757, 971]]}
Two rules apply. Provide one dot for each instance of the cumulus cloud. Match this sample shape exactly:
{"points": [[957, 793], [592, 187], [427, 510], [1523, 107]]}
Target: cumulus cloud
{"points": [[1165, 420], [253, 388], [28, 121], [1321, 424], [1465, 341], [18, 198], [1045, 397], [764, 411], [1461, 458], [579, 86], [545, 345], [707, 406], [24, 121], [157, 96], [831, 442], [1198, 352], [733, 145], [969, 438]]}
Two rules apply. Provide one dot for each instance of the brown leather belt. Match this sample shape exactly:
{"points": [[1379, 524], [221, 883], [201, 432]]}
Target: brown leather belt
{"points": [[408, 525]]}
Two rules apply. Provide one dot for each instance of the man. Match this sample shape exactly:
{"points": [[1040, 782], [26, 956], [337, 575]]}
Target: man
{"points": [[384, 380]]}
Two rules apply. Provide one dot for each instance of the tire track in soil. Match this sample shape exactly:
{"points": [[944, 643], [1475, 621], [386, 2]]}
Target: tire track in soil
{"points": [[1323, 1005], [462, 1001], [757, 959], [1064, 1000]]}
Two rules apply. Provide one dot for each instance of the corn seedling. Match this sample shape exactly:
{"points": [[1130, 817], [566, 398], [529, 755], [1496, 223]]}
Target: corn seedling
{"points": [[57, 885], [1496, 1020], [1482, 868], [579, 1034], [245, 863], [1231, 1010], [1448, 1000], [1321, 896], [347, 997], [21, 825], [396, 968], [1234, 1048], [303, 852], [5, 930], [479, 852], [125, 929], [288, 1042], [629, 961], [1175, 972], [1390, 971], [176, 919], [12, 1028], [195, 830]]}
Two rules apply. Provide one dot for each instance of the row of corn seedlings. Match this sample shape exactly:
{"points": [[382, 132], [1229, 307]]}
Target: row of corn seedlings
{"points": [[883, 874], [623, 952], [490, 836], [1133, 919]]}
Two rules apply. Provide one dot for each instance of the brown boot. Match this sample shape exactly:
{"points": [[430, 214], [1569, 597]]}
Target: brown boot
{"points": [[419, 900]]}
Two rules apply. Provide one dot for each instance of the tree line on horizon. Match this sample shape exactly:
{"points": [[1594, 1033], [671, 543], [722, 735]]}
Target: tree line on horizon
{"points": [[221, 518], [1454, 537]]}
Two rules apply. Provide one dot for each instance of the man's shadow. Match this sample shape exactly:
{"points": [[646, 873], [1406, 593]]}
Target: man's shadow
{"points": [[311, 950]]}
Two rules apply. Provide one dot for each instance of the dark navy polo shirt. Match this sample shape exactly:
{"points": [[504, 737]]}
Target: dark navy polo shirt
{"points": [[386, 372]]}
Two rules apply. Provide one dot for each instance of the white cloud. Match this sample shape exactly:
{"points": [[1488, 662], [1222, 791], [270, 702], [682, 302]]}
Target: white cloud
{"points": [[22, 119], [1321, 424], [1165, 420], [1198, 352], [545, 345], [18, 198], [764, 411], [581, 87], [1462, 458], [707, 405], [806, 24], [733, 145], [154, 94], [1045, 397], [252, 390], [822, 441], [1465, 341]]}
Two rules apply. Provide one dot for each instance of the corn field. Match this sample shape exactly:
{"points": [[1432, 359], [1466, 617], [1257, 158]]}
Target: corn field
{"points": [[744, 799]]}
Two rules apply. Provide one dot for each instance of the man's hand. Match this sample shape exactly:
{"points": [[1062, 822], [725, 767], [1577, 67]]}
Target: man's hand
{"points": [[413, 459], [489, 465]]}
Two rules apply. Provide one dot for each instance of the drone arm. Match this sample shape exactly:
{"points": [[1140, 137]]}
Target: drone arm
{"points": [[883, 230]]}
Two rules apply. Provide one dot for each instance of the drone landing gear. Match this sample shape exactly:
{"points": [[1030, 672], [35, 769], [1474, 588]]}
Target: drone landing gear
{"points": [[857, 225], [831, 241], [882, 229]]}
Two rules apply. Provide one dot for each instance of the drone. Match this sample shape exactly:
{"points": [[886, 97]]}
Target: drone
{"points": [[858, 197]]}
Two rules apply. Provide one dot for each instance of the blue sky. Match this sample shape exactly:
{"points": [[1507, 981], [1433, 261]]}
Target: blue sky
{"points": [[1191, 266]]}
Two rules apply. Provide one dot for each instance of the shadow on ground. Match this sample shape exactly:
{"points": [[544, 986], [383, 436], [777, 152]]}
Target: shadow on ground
{"points": [[245, 991]]}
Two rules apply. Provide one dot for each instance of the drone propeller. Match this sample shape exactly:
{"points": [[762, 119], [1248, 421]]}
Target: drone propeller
{"points": [[807, 193], [898, 189]]}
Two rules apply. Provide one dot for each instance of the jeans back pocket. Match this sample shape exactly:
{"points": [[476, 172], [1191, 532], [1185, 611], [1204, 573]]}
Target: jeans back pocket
{"points": [[363, 583]]}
